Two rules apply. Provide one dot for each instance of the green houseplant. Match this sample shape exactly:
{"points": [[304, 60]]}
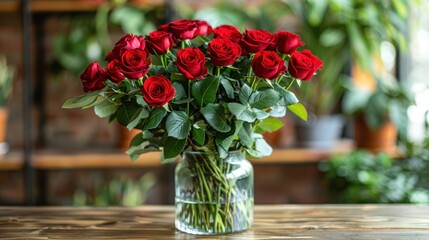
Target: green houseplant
{"points": [[6, 80], [380, 114], [205, 94], [343, 33]]}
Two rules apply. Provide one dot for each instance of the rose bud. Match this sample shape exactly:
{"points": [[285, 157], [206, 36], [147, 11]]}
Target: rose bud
{"points": [[223, 52], [157, 91], [159, 42], [268, 64], [184, 29], [127, 42], [114, 72], [93, 77], [287, 42], [135, 63], [228, 31], [191, 62], [258, 40], [203, 28], [303, 65]]}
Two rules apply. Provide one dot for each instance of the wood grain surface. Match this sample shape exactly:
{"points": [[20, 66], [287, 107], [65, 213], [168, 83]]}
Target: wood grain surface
{"points": [[271, 222]]}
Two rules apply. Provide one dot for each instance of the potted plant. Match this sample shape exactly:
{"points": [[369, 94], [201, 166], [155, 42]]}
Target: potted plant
{"points": [[379, 115], [6, 79], [206, 95], [341, 33]]}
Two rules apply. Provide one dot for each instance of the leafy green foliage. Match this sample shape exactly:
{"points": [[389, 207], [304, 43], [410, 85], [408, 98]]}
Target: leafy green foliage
{"points": [[6, 80], [362, 177]]}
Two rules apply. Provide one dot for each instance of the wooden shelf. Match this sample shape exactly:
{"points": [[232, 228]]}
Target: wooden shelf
{"points": [[50, 159], [65, 5]]}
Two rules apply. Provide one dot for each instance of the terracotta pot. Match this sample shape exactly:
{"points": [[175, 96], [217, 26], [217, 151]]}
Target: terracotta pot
{"points": [[125, 136], [3, 123], [380, 139]]}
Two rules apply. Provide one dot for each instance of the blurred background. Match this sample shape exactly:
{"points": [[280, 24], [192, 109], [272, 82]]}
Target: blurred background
{"points": [[366, 140]]}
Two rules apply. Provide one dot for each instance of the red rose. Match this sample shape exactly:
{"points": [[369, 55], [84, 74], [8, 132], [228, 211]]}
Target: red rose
{"points": [[303, 65], [191, 62], [157, 90], [228, 31], [114, 71], [223, 52], [184, 29], [159, 42], [134, 63], [268, 64], [93, 77], [164, 27], [287, 42], [203, 28], [258, 40], [127, 42]]}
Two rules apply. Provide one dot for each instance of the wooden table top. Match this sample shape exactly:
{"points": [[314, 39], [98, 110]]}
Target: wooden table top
{"points": [[271, 222]]}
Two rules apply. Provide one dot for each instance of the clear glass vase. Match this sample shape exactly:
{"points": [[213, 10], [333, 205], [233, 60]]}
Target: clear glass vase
{"points": [[214, 195]]}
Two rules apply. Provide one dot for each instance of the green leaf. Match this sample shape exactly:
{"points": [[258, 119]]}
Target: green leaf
{"points": [[287, 97], [241, 112], [224, 141], [180, 91], [204, 91], [81, 101], [173, 147], [260, 114], [264, 99], [269, 125], [106, 108], [278, 111], [144, 147], [229, 89], [299, 110], [198, 135], [245, 94], [155, 118], [178, 125], [245, 135], [215, 117], [140, 101], [262, 149], [127, 113], [140, 115]]}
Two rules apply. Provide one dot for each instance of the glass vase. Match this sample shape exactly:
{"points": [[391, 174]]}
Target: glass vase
{"points": [[214, 195]]}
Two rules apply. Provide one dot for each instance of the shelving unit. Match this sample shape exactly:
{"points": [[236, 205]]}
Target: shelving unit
{"points": [[55, 159]]}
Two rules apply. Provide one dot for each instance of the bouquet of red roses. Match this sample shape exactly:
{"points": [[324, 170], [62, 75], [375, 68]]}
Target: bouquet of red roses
{"points": [[188, 86]]}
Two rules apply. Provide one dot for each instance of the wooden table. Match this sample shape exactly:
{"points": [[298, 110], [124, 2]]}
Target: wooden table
{"points": [[271, 222]]}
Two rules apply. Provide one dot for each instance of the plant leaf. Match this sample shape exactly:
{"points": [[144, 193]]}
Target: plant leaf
{"points": [[269, 125], [245, 135], [229, 89], [81, 101], [198, 135], [215, 117], [204, 91], [264, 99], [127, 113], [140, 115], [173, 147], [224, 141], [178, 125], [241, 112], [155, 118], [106, 108], [299, 110], [245, 94]]}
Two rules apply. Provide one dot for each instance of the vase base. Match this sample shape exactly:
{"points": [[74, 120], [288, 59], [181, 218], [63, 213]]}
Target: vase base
{"points": [[209, 218]]}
